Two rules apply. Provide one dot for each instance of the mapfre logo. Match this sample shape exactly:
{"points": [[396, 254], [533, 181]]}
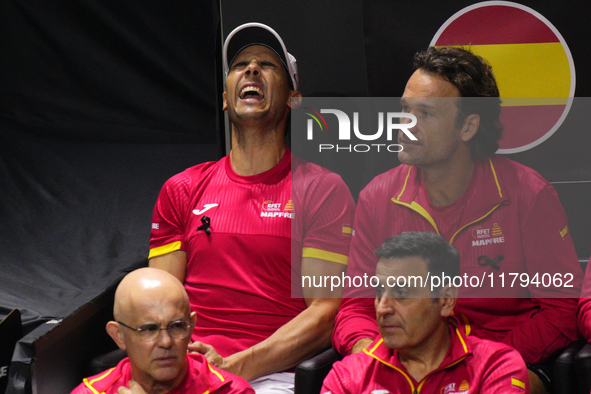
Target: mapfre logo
{"points": [[272, 209], [486, 236], [386, 122]]}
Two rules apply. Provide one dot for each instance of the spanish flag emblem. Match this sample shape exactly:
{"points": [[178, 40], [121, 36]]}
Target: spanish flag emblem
{"points": [[532, 64]]}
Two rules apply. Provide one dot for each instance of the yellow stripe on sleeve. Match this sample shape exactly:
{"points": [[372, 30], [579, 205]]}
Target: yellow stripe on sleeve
{"points": [[324, 255], [517, 383], [160, 250]]}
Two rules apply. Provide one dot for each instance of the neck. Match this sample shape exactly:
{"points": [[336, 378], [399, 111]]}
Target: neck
{"points": [[255, 151], [420, 361], [445, 184], [154, 387], [151, 386]]}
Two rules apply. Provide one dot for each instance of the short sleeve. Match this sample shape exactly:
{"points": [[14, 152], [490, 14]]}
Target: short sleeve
{"points": [[168, 218]]}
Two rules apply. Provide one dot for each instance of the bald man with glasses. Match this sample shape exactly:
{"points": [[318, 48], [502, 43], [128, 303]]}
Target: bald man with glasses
{"points": [[153, 323]]}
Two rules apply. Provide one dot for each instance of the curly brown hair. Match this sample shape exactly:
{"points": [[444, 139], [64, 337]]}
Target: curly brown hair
{"points": [[473, 77]]}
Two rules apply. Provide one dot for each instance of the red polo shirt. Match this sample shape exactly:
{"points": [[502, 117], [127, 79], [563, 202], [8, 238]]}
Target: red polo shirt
{"points": [[471, 365]]}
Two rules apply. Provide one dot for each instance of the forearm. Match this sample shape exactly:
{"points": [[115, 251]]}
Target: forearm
{"points": [[355, 325], [303, 337], [549, 330]]}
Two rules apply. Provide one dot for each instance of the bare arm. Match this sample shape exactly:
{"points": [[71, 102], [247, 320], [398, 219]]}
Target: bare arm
{"points": [[298, 340], [361, 344], [174, 263]]}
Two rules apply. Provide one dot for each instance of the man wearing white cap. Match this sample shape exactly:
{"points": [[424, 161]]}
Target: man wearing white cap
{"points": [[241, 232]]}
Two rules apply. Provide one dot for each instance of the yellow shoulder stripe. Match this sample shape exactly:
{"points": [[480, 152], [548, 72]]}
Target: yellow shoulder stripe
{"points": [[100, 377], [89, 384], [168, 248], [376, 346], [219, 375], [324, 255], [517, 383]]}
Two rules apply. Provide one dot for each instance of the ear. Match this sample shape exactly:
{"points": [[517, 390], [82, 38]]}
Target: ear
{"points": [[193, 317], [225, 104], [114, 331], [295, 99], [470, 127], [448, 297]]}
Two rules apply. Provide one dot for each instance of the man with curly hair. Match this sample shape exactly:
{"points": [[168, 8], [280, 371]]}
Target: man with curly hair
{"points": [[502, 216]]}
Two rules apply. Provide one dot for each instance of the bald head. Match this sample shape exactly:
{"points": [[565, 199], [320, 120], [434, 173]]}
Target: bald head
{"points": [[148, 286], [148, 302]]}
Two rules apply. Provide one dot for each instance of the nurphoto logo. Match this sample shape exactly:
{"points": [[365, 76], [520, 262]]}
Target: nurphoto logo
{"points": [[388, 123]]}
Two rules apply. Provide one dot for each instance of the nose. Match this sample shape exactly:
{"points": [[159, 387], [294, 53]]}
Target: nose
{"points": [[384, 306], [253, 68], [164, 339]]}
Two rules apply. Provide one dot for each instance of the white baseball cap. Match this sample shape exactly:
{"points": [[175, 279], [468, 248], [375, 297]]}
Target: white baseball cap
{"points": [[258, 34]]}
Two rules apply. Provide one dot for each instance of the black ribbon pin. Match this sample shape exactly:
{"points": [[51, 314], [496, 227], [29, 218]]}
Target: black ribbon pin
{"points": [[485, 261], [206, 223]]}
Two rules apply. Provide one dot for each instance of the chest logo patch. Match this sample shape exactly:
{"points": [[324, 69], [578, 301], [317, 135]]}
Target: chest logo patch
{"points": [[271, 209], [453, 388], [486, 236]]}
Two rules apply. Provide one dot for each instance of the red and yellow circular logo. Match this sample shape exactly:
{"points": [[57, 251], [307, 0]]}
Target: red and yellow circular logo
{"points": [[533, 66]]}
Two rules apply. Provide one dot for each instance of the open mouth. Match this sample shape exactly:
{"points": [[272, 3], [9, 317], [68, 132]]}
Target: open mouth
{"points": [[251, 93]]}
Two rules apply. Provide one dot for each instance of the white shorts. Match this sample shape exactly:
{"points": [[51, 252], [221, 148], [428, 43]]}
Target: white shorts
{"points": [[275, 383]]}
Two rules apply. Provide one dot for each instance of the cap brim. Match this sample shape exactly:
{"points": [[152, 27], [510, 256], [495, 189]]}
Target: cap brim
{"points": [[254, 36], [258, 34]]}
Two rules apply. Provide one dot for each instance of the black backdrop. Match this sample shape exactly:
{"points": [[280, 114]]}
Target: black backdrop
{"points": [[102, 101]]}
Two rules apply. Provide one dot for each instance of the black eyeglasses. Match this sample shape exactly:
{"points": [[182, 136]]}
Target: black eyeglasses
{"points": [[179, 329]]}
